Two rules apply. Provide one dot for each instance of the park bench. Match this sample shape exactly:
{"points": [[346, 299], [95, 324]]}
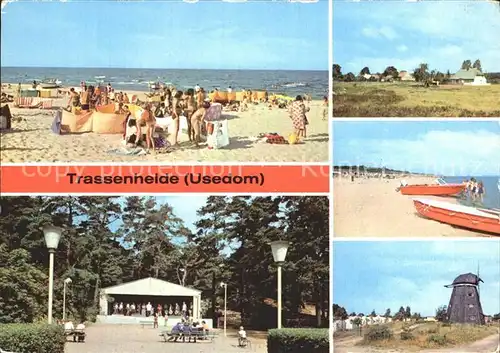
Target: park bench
{"points": [[194, 336], [78, 335], [146, 323]]}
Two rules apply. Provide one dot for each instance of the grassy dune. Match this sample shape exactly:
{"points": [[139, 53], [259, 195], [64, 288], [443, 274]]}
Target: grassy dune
{"points": [[431, 335], [413, 100]]}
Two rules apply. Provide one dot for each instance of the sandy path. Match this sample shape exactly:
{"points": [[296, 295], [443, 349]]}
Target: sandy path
{"points": [[372, 208], [31, 140], [486, 345]]}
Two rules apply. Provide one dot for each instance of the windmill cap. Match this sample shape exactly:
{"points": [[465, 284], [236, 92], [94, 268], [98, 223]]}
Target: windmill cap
{"points": [[467, 278]]}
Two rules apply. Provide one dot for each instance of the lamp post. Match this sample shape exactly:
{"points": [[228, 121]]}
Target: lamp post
{"points": [[52, 236], [225, 307], [66, 282], [279, 249]]}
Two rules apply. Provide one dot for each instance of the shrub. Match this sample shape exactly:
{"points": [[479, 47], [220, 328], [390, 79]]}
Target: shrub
{"points": [[298, 340], [407, 336], [439, 340], [32, 338], [378, 333]]}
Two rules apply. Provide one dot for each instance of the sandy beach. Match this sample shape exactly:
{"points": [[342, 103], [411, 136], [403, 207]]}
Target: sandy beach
{"points": [[31, 140], [372, 208]]}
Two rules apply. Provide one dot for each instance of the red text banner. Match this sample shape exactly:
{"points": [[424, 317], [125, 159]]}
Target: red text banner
{"points": [[164, 179]]}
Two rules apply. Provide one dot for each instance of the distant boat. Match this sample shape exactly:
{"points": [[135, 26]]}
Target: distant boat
{"points": [[99, 77], [293, 84], [438, 189], [50, 83], [472, 218]]}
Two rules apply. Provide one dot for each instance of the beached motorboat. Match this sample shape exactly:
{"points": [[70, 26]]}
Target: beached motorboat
{"points": [[50, 83], [440, 188], [432, 189], [459, 215]]}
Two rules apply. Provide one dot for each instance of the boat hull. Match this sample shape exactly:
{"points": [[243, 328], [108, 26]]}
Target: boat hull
{"points": [[435, 190], [466, 220]]}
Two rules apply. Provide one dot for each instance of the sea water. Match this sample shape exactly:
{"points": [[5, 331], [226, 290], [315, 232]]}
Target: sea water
{"points": [[492, 193], [290, 83]]}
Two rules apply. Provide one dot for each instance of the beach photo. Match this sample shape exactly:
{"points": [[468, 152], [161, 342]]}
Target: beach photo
{"points": [[99, 274], [416, 296], [211, 81], [416, 178], [415, 59]]}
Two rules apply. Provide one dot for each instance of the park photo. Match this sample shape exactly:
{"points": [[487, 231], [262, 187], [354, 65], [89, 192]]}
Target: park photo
{"points": [[416, 296], [100, 274], [416, 59], [416, 178], [219, 83]]}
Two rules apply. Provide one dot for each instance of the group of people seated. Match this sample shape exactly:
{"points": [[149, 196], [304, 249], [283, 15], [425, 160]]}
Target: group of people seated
{"points": [[190, 329], [474, 189]]}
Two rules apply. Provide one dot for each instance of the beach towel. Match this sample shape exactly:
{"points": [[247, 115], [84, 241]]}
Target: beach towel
{"points": [[124, 151], [276, 139], [214, 112], [56, 123], [219, 136]]}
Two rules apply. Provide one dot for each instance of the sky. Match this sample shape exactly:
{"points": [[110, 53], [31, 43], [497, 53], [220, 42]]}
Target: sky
{"points": [[153, 34], [404, 34], [448, 148], [184, 207], [381, 275]]}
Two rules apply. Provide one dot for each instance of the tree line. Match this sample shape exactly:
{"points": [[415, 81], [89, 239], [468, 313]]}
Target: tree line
{"points": [[404, 313], [111, 240], [421, 74]]}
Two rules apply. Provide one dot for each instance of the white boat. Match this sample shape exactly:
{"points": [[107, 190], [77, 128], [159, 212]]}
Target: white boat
{"points": [[50, 83]]}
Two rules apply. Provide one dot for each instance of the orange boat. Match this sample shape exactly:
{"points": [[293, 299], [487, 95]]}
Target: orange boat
{"points": [[459, 215], [432, 189]]}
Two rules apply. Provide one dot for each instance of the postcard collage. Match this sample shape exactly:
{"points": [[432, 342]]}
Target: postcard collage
{"points": [[269, 176]]}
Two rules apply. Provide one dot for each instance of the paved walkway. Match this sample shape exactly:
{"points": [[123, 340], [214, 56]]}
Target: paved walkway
{"points": [[135, 339]]}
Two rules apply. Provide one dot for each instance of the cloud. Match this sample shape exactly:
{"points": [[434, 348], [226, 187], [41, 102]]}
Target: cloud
{"points": [[392, 274], [438, 152], [381, 32], [402, 48], [442, 41]]}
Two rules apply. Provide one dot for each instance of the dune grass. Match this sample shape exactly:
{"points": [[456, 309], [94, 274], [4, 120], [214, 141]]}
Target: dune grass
{"points": [[425, 336], [372, 99]]}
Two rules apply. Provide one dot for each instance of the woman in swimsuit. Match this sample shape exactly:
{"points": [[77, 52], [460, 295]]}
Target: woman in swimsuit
{"points": [[177, 107], [190, 104], [148, 120], [480, 191]]}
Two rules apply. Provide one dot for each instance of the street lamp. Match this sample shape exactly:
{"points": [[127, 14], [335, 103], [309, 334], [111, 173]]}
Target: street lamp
{"points": [[222, 284], [52, 236], [66, 282], [279, 249]]}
